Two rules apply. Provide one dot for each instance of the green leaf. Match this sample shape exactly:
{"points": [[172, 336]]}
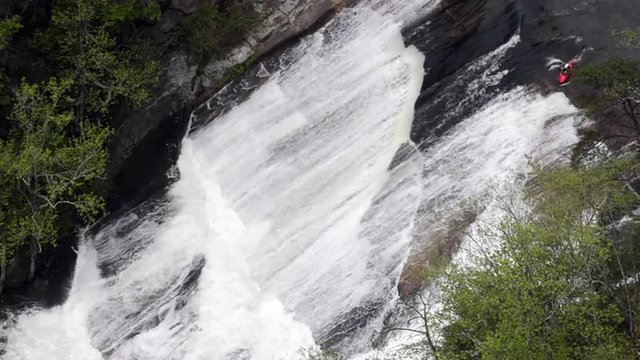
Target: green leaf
{"points": [[8, 27]]}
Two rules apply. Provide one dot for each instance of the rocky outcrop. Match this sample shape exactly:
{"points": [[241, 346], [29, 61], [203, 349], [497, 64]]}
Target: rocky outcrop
{"points": [[440, 240], [188, 6], [287, 20], [52, 279]]}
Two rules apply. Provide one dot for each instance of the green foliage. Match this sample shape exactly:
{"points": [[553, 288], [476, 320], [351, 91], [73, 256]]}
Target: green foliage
{"points": [[612, 81], [544, 293], [49, 162], [587, 147], [131, 10], [571, 197], [211, 30], [53, 152], [534, 299], [627, 38], [625, 265], [107, 69], [8, 27]]}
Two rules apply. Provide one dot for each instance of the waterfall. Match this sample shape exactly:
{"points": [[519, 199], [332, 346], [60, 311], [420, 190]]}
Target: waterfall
{"points": [[295, 210], [287, 216]]}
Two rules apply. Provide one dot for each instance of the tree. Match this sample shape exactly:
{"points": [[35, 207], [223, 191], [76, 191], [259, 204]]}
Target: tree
{"points": [[86, 40], [53, 145], [215, 29], [615, 83], [8, 27], [536, 298], [48, 166], [131, 10], [545, 293], [627, 38], [625, 274]]}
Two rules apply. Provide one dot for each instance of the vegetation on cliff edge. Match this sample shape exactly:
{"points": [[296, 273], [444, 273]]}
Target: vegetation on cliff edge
{"points": [[91, 61], [53, 157]]}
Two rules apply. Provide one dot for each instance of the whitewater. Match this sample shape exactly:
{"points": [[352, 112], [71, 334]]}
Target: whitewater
{"points": [[296, 210]]}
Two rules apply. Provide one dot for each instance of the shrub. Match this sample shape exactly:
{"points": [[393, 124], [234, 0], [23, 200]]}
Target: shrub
{"points": [[8, 27], [48, 164], [211, 31], [547, 291]]}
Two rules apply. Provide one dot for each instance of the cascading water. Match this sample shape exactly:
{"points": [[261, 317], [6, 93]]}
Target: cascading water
{"points": [[295, 210], [286, 217]]}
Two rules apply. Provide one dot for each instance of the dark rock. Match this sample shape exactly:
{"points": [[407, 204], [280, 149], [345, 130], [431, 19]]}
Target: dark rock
{"points": [[145, 149], [188, 6], [349, 323], [18, 270], [33, 12], [170, 19], [54, 271], [289, 19]]}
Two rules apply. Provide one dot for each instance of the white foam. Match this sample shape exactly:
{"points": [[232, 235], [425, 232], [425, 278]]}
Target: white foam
{"points": [[405, 12], [62, 331], [481, 158], [302, 161], [492, 146]]}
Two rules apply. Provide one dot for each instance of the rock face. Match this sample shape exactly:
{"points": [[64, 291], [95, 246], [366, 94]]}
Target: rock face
{"points": [[187, 6], [286, 21], [51, 283], [289, 19]]}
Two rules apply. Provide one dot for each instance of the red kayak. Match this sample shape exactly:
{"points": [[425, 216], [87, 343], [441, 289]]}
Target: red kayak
{"points": [[566, 73]]}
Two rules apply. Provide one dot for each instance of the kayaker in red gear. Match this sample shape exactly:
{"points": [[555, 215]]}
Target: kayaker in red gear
{"points": [[566, 73]]}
